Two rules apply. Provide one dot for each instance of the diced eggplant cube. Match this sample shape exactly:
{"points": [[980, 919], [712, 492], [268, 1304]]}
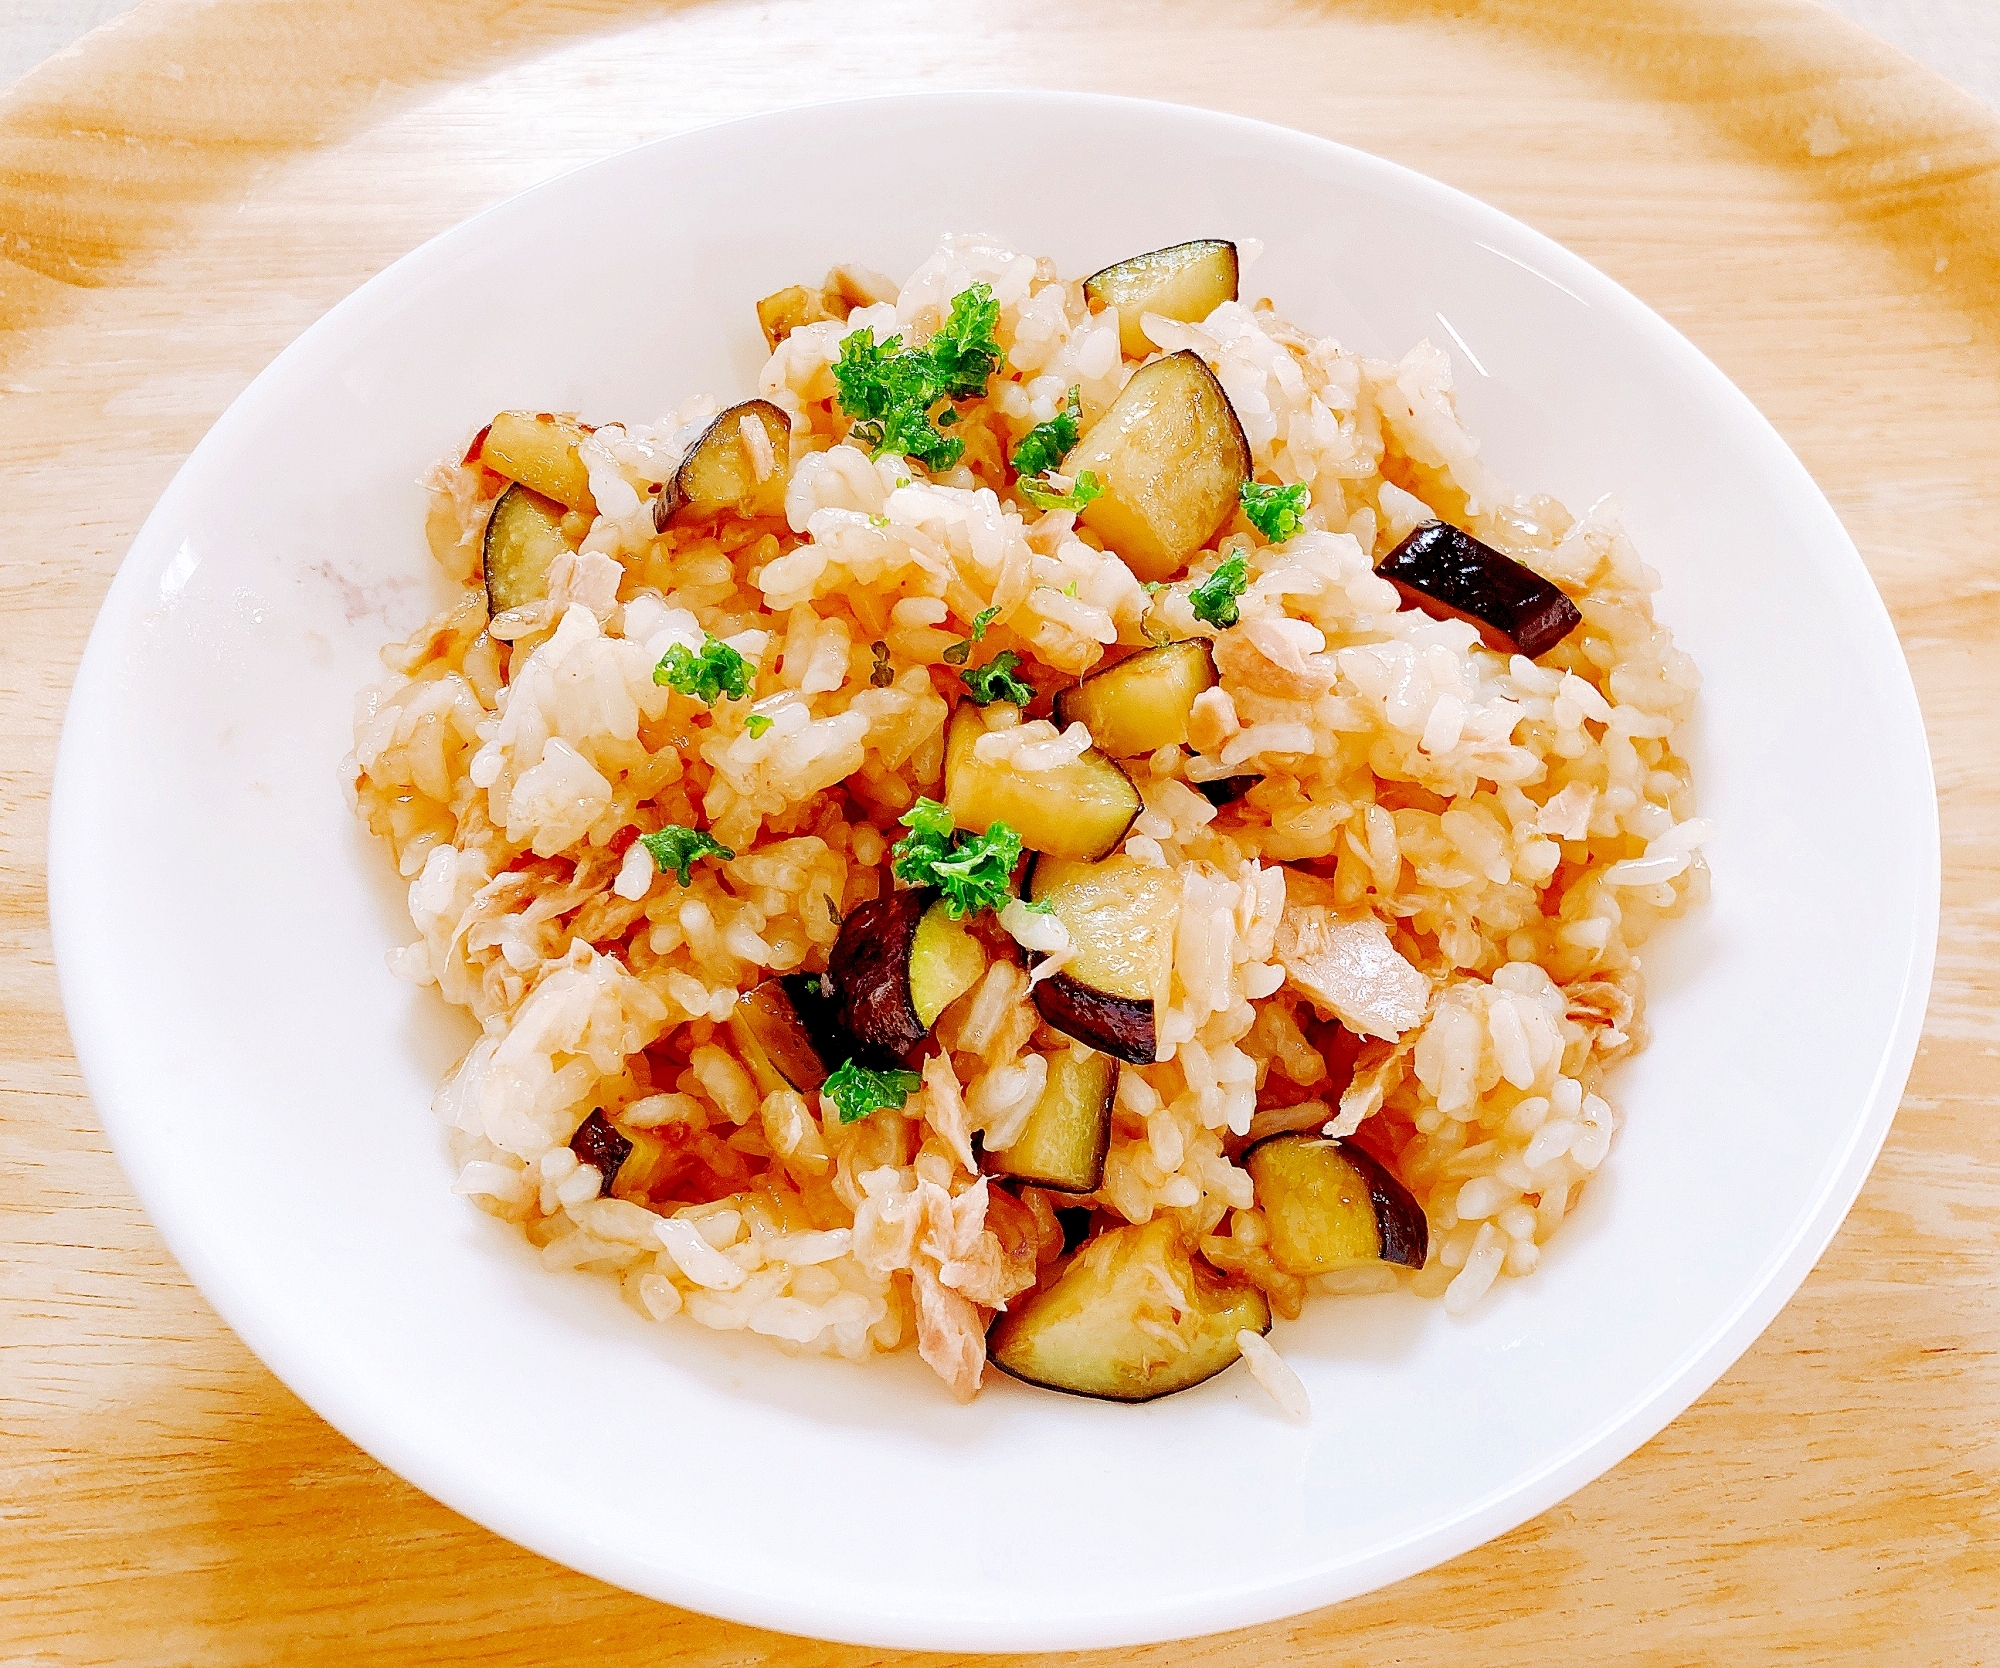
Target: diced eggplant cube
{"points": [[524, 534], [739, 464], [540, 451], [1330, 1205], [1062, 1146], [1450, 575], [1081, 809], [1133, 1316], [899, 962], [1143, 703], [1187, 282], [1171, 458], [596, 1142], [1120, 914]]}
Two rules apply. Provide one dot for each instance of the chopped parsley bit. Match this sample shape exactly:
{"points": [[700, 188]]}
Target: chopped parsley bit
{"points": [[813, 984], [1046, 444], [891, 391], [995, 681], [757, 723], [1039, 493], [1214, 599], [1274, 511], [856, 1091], [973, 871], [878, 521], [1069, 590], [675, 850], [717, 671], [1151, 586], [1038, 906], [883, 674], [961, 651]]}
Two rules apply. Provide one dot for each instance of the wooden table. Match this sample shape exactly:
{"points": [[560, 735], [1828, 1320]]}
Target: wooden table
{"points": [[186, 191]]}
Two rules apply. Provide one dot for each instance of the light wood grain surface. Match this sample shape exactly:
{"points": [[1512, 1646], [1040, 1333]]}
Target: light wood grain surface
{"points": [[189, 189]]}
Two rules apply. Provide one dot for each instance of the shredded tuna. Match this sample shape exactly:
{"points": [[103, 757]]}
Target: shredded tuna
{"points": [[1351, 969]]}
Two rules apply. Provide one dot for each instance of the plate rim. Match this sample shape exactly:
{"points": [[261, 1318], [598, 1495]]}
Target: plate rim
{"points": [[354, 1413]]}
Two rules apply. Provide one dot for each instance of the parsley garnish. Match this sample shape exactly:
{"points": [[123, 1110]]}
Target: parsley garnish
{"points": [[856, 1091], [675, 850], [973, 871], [717, 671], [1044, 497], [1214, 599], [995, 681], [1047, 444], [1274, 511], [961, 651], [757, 723], [892, 391]]}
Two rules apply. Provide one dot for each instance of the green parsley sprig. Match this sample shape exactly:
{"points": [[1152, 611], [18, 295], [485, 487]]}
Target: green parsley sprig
{"points": [[856, 1091], [972, 871], [893, 393], [1214, 599], [1274, 510], [1045, 445], [717, 671], [995, 681], [675, 849]]}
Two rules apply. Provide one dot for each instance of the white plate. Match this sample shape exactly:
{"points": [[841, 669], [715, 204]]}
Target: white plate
{"points": [[220, 921]]}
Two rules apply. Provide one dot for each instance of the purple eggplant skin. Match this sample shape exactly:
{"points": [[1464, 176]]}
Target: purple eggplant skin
{"points": [[596, 1142], [819, 1018], [1226, 790], [1405, 1230], [1076, 1222], [869, 972], [1450, 575], [1121, 1026]]}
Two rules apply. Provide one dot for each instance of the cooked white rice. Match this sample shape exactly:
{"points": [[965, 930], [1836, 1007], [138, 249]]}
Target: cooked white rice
{"points": [[1517, 828]]}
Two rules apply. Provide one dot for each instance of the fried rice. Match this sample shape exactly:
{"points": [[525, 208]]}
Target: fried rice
{"points": [[1512, 829]]}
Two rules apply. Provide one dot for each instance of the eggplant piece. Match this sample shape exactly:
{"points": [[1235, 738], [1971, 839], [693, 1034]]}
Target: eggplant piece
{"points": [[1135, 1315], [1186, 281], [1141, 704], [774, 1041], [1330, 1205], [1171, 457], [726, 469], [1226, 790], [792, 308], [1079, 810], [899, 962], [597, 1143], [1450, 575], [1062, 1146], [1120, 914], [523, 536], [539, 450]]}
